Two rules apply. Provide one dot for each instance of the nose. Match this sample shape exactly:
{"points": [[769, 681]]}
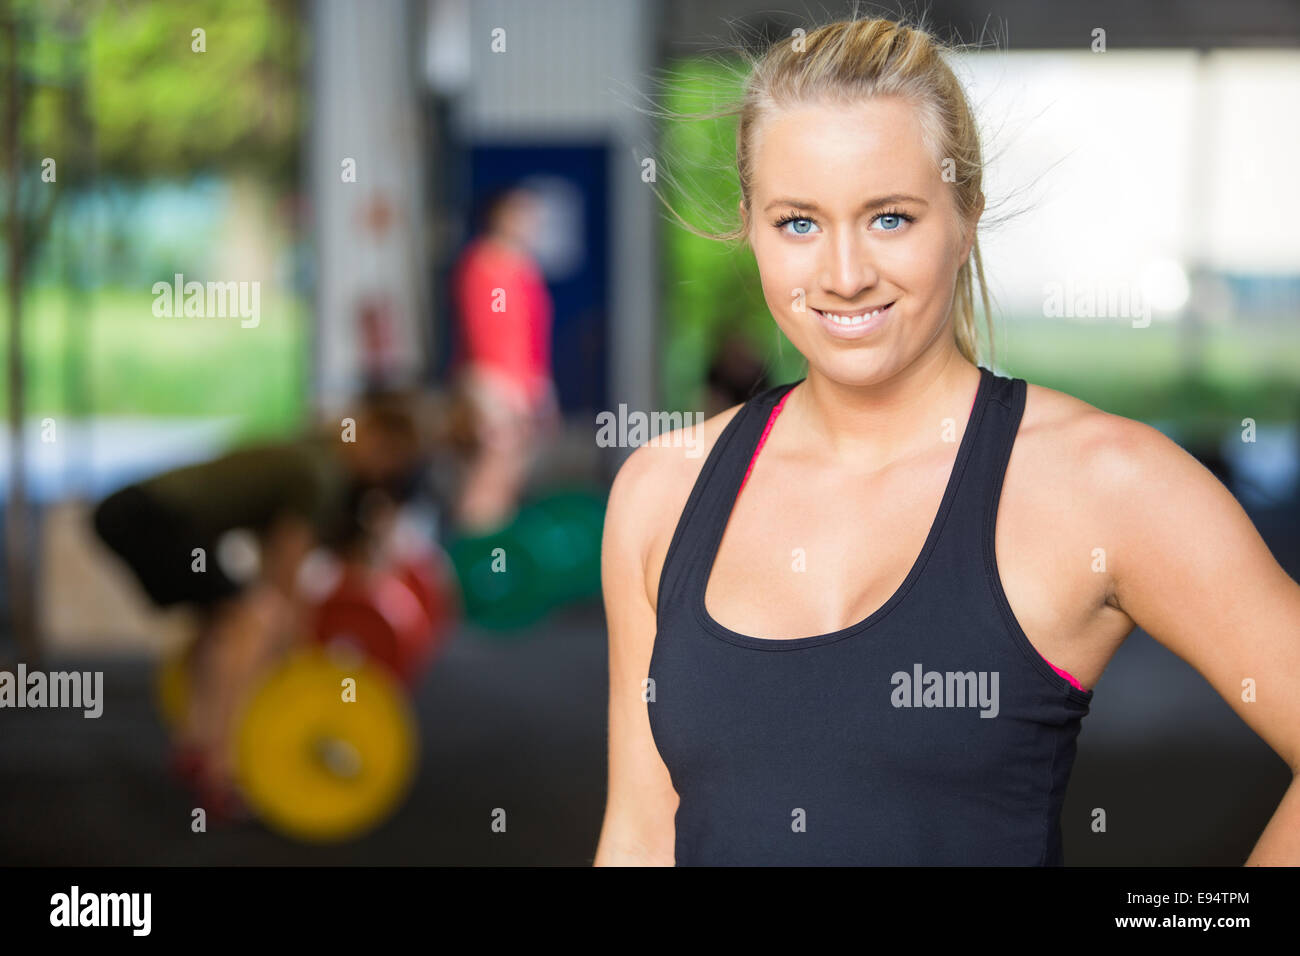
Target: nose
{"points": [[847, 268]]}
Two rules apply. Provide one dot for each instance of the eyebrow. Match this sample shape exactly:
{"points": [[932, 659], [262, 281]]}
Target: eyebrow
{"points": [[869, 204]]}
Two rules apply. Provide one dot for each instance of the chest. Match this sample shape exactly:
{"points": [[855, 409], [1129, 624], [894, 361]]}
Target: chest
{"points": [[928, 739], [809, 555]]}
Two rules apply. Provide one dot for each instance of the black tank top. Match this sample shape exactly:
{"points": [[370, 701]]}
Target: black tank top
{"points": [[932, 732]]}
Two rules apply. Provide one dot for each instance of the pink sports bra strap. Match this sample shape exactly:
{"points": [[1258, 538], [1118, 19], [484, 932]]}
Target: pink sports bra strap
{"points": [[771, 420]]}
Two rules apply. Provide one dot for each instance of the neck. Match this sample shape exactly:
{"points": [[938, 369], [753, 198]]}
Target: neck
{"points": [[505, 241], [870, 426]]}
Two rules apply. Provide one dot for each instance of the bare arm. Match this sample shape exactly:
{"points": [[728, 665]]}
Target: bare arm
{"points": [[1192, 571], [638, 828], [285, 546]]}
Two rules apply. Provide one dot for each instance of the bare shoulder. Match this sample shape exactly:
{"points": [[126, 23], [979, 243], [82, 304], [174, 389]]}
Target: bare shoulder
{"points": [[1095, 453], [1104, 477], [652, 486], [1084, 473]]}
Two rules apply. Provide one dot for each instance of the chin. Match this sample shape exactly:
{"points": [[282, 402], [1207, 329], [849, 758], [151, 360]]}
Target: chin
{"points": [[855, 370]]}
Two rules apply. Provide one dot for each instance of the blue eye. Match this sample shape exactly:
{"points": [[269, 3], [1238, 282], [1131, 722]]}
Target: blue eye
{"points": [[893, 221], [808, 223], [896, 218]]}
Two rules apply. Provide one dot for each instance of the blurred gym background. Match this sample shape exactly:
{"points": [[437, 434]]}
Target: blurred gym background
{"points": [[1163, 164]]}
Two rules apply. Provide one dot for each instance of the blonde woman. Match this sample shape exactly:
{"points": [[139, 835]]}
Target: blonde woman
{"points": [[881, 651]]}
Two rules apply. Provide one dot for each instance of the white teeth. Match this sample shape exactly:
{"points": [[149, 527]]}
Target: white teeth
{"points": [[857, 319]]}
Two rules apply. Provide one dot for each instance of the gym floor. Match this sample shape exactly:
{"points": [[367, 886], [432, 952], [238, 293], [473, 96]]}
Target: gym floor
{"points": [[519, 724]]}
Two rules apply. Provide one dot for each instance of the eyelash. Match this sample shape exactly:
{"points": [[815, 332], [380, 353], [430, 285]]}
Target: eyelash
{"points": [[793, 217]]}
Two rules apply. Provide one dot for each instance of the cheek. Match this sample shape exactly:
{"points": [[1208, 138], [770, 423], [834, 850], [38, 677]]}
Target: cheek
{"points": [[783, 268], [923, 264]]}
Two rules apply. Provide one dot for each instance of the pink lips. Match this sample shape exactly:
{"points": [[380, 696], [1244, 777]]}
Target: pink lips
{"points": [[855, 331]]}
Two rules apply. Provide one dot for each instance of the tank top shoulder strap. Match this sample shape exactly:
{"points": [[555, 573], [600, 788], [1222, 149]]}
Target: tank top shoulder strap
{"points": [[969, 526], [711, 498]]}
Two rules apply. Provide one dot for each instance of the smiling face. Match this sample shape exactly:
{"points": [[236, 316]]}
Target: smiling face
{"points": [[848, 205]]}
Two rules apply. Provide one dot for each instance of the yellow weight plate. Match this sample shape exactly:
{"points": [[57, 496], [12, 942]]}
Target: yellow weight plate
{"points": [[172, 687], [316, 766]]}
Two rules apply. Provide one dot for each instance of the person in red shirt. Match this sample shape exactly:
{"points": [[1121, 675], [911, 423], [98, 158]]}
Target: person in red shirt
{"points": [[503, 364]]}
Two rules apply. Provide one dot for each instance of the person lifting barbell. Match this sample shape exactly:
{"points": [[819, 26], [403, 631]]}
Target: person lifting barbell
{"points": [[230, 537]]}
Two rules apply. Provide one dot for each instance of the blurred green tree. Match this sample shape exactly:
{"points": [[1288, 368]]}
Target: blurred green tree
{"points": [[171, 88], [97, 91]]}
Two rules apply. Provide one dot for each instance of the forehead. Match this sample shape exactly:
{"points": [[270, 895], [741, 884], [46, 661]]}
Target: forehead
{"points": [[826, 147]]}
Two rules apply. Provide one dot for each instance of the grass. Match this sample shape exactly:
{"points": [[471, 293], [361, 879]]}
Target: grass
{"points": [[1247, 370], [107, 354]]}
